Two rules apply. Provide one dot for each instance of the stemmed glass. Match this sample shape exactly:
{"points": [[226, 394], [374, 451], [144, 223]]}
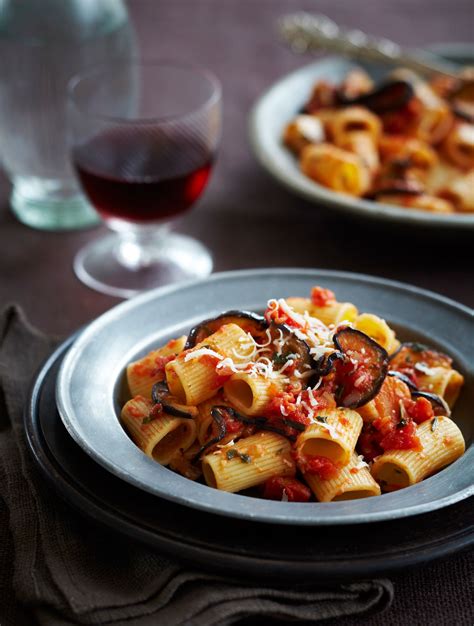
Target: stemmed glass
{"points": [[143, 137]]}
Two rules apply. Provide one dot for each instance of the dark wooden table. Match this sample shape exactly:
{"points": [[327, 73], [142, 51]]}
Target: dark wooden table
{"points": [[244, 217], [269, 226]]}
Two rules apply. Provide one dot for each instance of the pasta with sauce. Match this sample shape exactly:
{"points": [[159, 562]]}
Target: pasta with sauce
{"points": [[407, 142], [312, 400]]}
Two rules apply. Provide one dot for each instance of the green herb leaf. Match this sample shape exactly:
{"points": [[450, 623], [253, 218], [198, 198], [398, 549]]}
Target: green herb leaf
{"points": [[279, 359], [231, 454], [245, 458], [417, 347], [322, 418], [402, 423], [148, 419]]}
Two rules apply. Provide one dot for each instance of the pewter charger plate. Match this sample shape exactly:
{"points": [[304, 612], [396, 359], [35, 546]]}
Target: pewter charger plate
{"points": [[90, 382]]}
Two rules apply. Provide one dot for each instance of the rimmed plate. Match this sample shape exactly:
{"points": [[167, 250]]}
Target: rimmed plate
{"points": [[279, 104], [209, 541], [90, 379]]}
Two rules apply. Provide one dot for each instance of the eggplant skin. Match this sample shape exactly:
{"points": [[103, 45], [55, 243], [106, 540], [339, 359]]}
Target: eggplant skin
{"points": [[294, 345], [439, 405], [351, 339], [388, 97], [326, 364], [403, 378], [245, 319], [160, 395]]}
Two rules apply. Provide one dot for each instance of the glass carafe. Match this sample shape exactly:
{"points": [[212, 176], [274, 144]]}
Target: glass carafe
{"points": [[43, 43]]}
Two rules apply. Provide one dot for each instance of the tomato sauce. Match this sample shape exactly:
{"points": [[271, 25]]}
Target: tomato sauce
{"points": [[322, 297], [277, 487]]}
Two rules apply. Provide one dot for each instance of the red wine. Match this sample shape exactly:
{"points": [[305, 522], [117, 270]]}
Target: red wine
{"points": [[141, 176]]}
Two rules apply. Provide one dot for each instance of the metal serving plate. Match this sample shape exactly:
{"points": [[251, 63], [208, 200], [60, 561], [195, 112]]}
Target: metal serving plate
{"points": [[277, 106], [90, 380]]}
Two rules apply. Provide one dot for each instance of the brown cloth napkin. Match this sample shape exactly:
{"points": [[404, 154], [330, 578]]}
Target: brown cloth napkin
{"points": [[58, 568]]}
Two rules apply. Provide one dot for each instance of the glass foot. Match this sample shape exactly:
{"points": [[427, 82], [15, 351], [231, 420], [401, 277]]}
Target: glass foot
{"points": [[49, 204], [110, 264]]}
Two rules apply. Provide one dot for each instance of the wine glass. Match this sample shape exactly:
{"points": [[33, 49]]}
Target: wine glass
{"points": [[143, 136]]}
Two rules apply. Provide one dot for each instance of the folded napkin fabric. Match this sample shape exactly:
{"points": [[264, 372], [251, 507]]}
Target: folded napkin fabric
{"points": [[58, 568]]}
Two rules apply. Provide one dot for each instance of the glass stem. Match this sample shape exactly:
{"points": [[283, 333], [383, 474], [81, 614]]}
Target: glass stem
{"points": [[140, 247]]}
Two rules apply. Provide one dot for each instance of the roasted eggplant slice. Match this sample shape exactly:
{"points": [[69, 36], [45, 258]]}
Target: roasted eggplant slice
{"points": [[160, 395], [440, 406], [325, 364], [408, 382], [291, 347], [389, 97], [361, 374], [397, 187], [217, 416], [250, 322]]}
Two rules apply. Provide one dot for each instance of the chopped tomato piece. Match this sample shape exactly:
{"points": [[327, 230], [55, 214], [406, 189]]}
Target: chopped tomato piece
{"points": [[419, 410], [404, 438], [322, 297], [282, 488], [156, 410], [321, 466]]}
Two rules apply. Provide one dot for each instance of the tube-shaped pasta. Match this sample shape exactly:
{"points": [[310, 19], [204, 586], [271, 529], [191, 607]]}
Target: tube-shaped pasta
{"points": [[334, 313], [333, 436], [364, 145], [458, 146], [144, 373], [387, 402], [435, 118], [331, 313], [204, 419], [460, 192], [354, 119], [192, 377], [182, 462], [251, 394], [335, 168], [302, 131], [378, 329], [442, 381], [356, 83], [423, 201], [395, 147], [249, 462], [442, 443], [357, 129], [353, 481], [160, 438]]}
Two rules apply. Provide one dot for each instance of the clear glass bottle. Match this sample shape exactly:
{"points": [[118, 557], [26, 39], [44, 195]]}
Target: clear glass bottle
{"points": [[43, 43]]}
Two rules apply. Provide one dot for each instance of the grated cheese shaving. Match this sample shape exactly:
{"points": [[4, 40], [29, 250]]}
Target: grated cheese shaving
{"points": [[361, 463], [196, 354]]}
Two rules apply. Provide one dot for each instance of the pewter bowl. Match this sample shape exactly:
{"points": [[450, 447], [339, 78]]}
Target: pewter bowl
{"points": [[89, 387]]}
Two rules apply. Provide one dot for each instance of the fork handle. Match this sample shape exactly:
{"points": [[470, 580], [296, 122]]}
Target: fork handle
{"points": [[308, 32]]}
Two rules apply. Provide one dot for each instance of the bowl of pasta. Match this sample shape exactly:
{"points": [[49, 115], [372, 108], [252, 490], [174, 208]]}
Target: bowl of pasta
{"points": [[283, 396], [377, 143]]}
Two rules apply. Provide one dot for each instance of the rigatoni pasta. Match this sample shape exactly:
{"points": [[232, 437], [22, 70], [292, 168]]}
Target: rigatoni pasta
{"points": [[312, 400], [441, 443]]}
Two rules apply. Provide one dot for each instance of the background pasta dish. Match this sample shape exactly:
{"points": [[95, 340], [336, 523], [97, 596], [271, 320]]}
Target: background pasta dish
{"points": [[405, 142]]}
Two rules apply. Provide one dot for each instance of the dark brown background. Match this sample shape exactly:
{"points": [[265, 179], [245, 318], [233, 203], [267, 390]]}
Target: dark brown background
{"points": [[237, 40], [248, 221]]}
